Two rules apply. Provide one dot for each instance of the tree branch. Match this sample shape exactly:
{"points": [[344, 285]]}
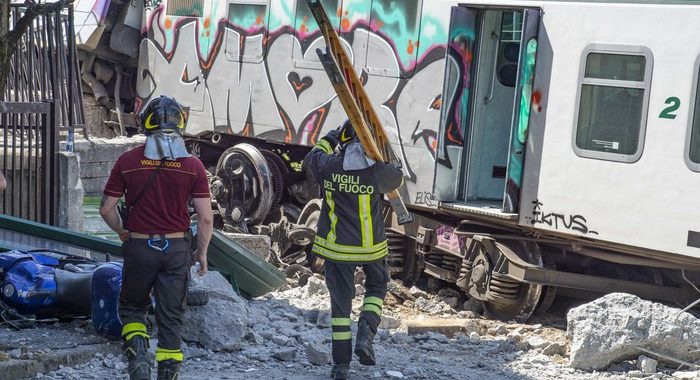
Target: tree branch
{"points": [[33, 11]]}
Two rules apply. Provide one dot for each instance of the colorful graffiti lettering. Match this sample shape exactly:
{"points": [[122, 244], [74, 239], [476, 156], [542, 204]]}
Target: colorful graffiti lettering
{"points": [[245, 76]]}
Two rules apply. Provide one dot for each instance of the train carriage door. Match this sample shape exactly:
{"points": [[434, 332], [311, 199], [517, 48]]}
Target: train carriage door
{"points": [[459, 62], [482, 127], [521, 109]]}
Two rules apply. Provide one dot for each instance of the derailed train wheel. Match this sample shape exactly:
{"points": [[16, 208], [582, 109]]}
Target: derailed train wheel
{"points": [[244, 185], [506, 299]]}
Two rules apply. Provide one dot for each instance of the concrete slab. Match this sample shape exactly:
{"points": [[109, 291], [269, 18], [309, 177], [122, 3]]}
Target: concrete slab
{"points": [[447, 327]]}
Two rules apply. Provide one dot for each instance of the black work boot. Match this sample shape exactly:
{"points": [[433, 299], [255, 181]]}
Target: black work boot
{"points": [[340, 371], [136, 350], [169, 369], [363, 343]]}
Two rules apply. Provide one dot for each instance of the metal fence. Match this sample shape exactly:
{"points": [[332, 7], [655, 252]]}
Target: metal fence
{"points": [[30, 160], [45, 67], [43, 99]]}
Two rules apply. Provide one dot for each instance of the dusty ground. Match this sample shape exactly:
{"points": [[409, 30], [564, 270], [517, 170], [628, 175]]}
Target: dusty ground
{"points": [[288, 330]]}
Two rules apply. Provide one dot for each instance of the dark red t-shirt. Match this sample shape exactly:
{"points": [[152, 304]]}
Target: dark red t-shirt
{"points": [[163, 207]]}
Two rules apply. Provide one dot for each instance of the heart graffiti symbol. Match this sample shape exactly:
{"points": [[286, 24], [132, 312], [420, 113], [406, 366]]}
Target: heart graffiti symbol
{"points": [[298, 84]]}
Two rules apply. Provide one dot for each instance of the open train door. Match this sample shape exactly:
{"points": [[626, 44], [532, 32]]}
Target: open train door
{"points": [[521, 109], [455, 103], [485, 109]]}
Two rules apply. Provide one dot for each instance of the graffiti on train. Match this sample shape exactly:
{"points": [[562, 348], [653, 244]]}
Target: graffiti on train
{"points": [[425, 198], [448, 240], [269, 84], [559, 221]]}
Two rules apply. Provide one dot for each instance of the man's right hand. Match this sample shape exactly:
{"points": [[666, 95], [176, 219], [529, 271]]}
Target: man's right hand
{"points": [[202, 259]]}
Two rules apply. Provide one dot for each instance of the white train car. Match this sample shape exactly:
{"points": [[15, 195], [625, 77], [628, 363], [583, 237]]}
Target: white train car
{"points": [[547, 145]]}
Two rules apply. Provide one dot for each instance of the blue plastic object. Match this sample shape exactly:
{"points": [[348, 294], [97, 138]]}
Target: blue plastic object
{"points": [[47, 284], [106, 284], [28, 282]]}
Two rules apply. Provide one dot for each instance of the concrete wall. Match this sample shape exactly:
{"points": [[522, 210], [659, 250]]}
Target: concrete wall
{"points": [[97, 157], [70, 199]]}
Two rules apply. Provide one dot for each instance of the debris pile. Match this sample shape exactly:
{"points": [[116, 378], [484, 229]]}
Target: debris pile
{"points": [[286, 334]]}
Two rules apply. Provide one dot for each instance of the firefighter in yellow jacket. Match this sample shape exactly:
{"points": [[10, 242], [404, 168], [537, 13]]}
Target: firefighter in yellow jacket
{"points": [[350, 234]]}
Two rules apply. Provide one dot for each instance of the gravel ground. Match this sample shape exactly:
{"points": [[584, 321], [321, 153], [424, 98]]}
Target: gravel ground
{"points": [[290, 330]]}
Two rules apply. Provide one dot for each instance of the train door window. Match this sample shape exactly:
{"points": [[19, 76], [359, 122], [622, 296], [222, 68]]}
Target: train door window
{"points": [[249, 19], [185, 8], [692, 148], [396, 23], [509, 48], [613, 97], [307, 32]]}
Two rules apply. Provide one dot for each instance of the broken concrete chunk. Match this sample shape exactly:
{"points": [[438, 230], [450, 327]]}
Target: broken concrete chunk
{"points": [[449, 327], [315, 286], [324, 318], [611, 328], [389, 322], [554, 349], [537, 342], [646, 364], [417, 292], [286, 355], [427, 306], [220, 324], [281, 340], [689, 375], [317, 355]]}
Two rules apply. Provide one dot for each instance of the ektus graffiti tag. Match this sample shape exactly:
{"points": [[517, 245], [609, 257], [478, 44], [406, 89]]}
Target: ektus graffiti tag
{"points": [[571, 222]]}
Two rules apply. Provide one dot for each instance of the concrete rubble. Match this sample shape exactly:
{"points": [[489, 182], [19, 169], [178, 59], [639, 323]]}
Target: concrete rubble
{"points": [[619, 326], [286, 335]]}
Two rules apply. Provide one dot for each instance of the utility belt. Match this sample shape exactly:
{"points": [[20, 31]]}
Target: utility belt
{"points": [[172, 235], [160, 242]]}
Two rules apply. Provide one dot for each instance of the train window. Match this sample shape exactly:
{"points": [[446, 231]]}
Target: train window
{"points": [[249, 19], [509, 48], [693, 142], [306, 30], [185, 8], [613, 97], [397, 21]]}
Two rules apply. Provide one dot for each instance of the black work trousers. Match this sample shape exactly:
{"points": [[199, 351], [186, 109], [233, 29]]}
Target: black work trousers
{"points": [[166, 274], [341, 285]]}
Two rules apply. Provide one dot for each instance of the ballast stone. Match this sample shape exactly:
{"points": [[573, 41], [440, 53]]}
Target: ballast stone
{"points": [[610, 328]]}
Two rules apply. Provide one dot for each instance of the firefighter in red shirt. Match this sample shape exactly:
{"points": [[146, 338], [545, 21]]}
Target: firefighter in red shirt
{"points": [[158, 179]]}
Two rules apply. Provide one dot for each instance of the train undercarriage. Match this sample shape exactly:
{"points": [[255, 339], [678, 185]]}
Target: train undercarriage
{"points": [[513, 272]]}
